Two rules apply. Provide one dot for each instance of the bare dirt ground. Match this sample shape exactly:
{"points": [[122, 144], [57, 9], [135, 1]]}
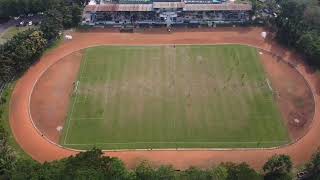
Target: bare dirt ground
{"points": [[292, 93], [42, 150], [49, 112]]}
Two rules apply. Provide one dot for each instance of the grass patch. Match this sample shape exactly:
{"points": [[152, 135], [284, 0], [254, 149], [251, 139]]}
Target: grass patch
{"points": [[11, 31], [173, 97], [54, 45], [4, 119], [6, 95]]}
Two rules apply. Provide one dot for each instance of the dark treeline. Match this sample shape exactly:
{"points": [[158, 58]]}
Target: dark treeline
{"points": [[13, 8], [298, 26], [17, 54], [92, 165], [20, 52]]}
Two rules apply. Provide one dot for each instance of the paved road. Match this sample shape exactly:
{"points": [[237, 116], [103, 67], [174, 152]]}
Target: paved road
{"points": [[5, 26], [12, 22]]}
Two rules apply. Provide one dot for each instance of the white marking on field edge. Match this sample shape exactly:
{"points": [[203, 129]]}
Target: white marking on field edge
{"points": [[76, 87], [263, 34], [269, 85], [59, 128]]}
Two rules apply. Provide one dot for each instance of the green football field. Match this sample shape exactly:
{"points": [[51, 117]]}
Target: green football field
{"points": [[134, 97]]}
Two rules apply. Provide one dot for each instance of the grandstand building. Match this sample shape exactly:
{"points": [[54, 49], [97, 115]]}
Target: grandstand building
{"points": [[165, 12]]}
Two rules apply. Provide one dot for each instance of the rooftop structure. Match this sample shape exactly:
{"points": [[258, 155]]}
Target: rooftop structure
{"points": [[166, 12], [168, 5]]}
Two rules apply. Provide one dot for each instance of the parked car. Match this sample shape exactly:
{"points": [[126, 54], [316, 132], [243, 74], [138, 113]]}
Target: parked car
{"points": [[22, 23]]}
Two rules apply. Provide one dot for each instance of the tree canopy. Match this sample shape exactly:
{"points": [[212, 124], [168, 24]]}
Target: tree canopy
{"points": [[23, 7], [20, 52], [278, 167], [298, 26]]}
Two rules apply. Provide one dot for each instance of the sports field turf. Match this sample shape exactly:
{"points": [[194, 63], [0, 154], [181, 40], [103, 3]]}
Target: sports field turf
{"points": [[172, 97]]}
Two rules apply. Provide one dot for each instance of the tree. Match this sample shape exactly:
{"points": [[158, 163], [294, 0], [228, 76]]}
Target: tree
{"points": [[92, 165], [219, 173], [198, 174], [298, 26], [67, 21], [81, 2], [165, 172], [52, 24], [25, 169], [27, 48], [309, 43], [85, 165], [7, 156], [144, 171], [240, 171], [76, 15], [311, 16], [20, 52], [278, 167], [312, 168], [23, 7]]}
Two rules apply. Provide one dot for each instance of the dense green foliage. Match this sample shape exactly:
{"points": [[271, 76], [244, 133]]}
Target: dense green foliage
{"points": [[92, 165], [298, 26], [312, 168], [59, 16], [17, 54], [10, 8], [89, 165], [52, 23], [278, 167]]}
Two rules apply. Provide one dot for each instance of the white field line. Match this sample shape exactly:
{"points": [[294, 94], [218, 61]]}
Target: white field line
{"points": [[76, 88], [74, 102], [87, 118], [170, 142], [69, 120], [269, 85]]}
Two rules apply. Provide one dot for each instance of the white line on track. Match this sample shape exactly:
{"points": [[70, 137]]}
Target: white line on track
{"points": [[72, 109]]}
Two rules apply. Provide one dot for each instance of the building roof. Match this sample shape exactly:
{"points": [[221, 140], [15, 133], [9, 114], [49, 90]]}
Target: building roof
{"points": [[186, 7], [218, 7], [119, 7], [202, 1], [168, 4]]}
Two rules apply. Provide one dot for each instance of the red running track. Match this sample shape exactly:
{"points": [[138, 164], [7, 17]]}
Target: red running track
{"points": [[40, 149]]}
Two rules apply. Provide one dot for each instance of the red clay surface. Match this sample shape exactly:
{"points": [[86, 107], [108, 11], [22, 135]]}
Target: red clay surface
{"points": [[51, 96], [293, 95], [42, 150]]}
